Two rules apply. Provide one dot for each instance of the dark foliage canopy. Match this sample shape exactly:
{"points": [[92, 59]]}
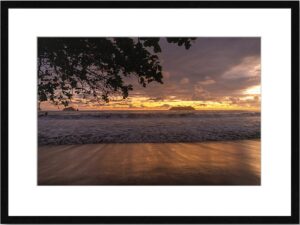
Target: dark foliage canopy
{"points": [[96, 67]]}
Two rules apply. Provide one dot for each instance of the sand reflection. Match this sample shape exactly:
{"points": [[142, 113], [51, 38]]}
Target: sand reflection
{"points": [[206, 163]]}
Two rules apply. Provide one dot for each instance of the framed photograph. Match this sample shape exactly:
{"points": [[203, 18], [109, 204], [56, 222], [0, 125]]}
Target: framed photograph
{"points": [[150, 112]]}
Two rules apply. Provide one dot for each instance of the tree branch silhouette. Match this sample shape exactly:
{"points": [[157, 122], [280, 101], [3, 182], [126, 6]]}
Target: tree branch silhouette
{"points": [[96, 67]]}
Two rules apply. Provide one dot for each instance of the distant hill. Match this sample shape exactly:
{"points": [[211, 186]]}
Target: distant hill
{"points": [[182, 108], [70, 109]]}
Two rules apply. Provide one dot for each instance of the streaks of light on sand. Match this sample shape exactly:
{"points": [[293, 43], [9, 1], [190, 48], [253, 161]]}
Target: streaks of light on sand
{"points": [[206, 163]]}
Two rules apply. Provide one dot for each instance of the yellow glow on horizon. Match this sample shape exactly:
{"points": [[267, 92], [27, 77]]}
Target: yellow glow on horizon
{"points": [[137, 103]]}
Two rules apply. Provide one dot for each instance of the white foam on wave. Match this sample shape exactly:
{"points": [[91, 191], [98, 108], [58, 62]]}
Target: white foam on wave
{"points": [[146, 126]]}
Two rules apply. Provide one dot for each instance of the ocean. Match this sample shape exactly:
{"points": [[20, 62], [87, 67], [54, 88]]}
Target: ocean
{"points": [[143, 126]]}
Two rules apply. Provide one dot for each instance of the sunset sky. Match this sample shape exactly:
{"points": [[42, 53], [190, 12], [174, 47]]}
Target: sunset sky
{"points": [[215, 73]]}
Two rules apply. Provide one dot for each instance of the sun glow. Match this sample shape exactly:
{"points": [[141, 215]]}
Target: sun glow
{"points": [[147, 104], [254, 90]]}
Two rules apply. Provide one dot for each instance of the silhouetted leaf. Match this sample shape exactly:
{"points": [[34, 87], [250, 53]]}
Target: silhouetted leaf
{"points": [[95, 67]]}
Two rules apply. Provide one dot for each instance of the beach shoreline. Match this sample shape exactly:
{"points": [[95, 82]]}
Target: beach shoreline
{"points": [[196, 163]]}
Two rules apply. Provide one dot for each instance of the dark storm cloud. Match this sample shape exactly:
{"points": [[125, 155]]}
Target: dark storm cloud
{"points": [[212, 68]]}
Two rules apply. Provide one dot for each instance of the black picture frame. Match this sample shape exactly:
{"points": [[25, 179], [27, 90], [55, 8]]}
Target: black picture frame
{"points": [[294, 218]]}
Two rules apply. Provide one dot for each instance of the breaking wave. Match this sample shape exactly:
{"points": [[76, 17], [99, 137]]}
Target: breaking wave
{"points": [[146, 127]]}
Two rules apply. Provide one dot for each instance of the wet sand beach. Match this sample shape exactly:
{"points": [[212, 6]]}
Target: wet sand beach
{"points": [[203, 163]]}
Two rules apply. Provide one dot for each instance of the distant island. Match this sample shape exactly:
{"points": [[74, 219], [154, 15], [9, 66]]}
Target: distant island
{"points": [[70, 109], [182, 108]]}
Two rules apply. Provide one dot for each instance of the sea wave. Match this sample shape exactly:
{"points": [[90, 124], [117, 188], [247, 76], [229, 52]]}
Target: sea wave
{"points": [[146, 127]]}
